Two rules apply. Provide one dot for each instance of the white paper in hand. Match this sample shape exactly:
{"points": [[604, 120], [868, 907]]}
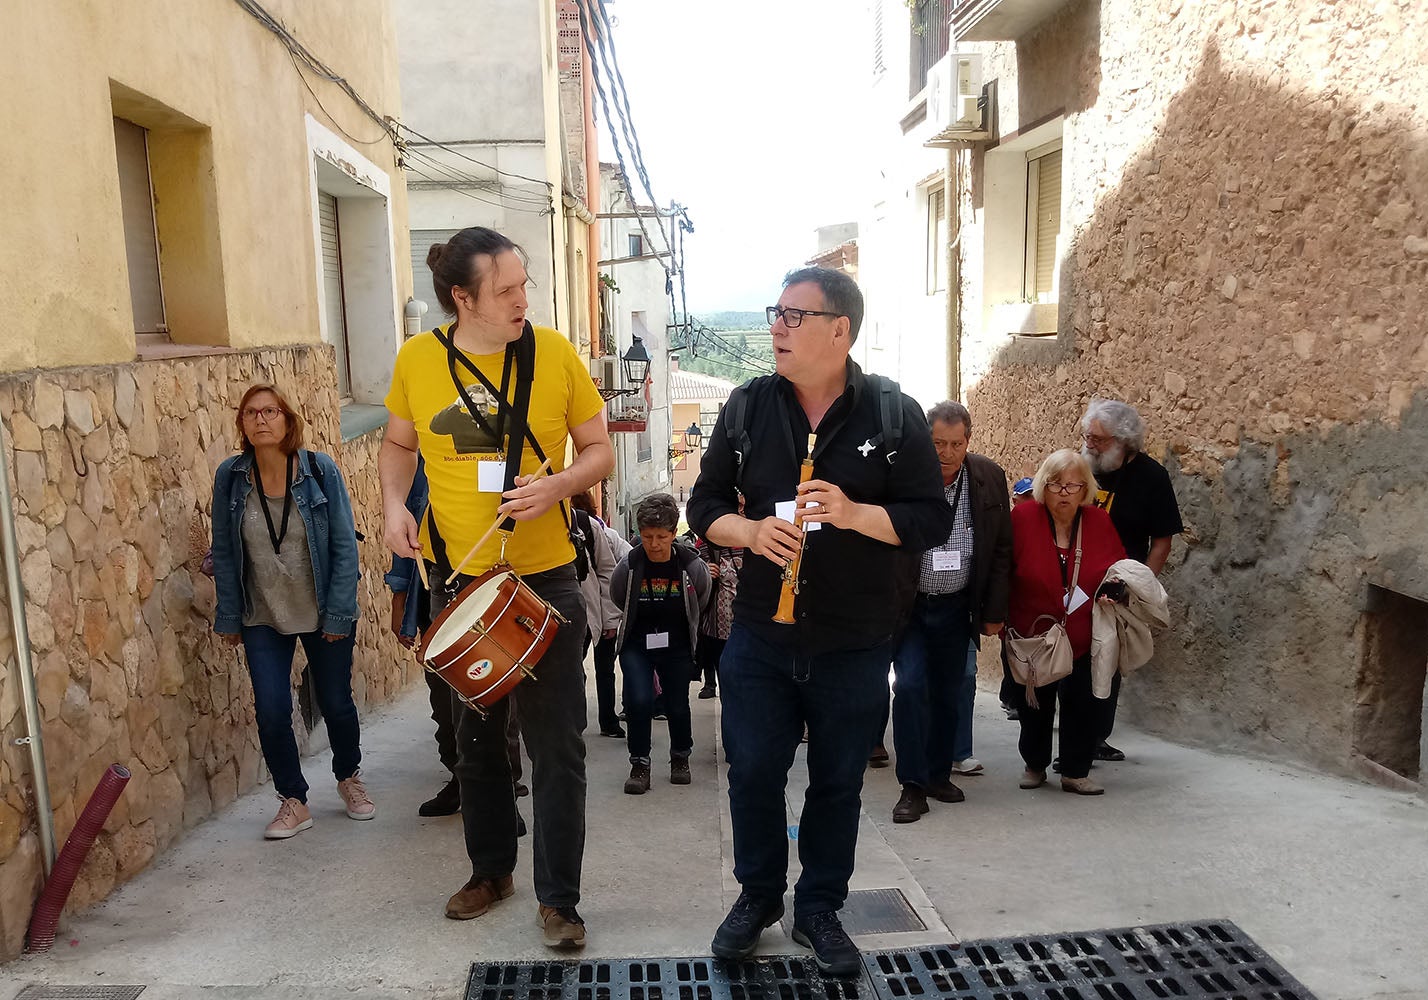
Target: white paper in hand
{"points": [[783, 510]]}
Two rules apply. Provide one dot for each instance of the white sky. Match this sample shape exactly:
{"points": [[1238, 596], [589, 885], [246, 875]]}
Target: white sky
{"points": [[747, 113]]}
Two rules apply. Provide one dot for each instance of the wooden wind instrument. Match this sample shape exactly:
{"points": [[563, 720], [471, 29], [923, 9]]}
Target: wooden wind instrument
{"points": [[784, 614]]}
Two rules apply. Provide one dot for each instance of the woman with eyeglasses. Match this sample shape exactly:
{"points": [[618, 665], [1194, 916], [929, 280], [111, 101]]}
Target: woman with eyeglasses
{"points": [[285, 569], [1045, 583]]}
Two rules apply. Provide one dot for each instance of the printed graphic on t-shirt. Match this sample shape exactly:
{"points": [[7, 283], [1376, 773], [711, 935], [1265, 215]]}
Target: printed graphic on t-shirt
{"points": [[658, 590], [1104, 500], [467, 436]]}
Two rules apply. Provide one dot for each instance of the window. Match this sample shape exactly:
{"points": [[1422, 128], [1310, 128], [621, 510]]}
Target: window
{"points": [[141, 244], [643, 451], [332, 306], [1043, 221], [930, 34], [936, 240], [637, 245]]}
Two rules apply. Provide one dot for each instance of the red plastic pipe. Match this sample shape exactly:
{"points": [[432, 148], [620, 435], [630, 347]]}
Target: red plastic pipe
{"points": [[51, 902]]}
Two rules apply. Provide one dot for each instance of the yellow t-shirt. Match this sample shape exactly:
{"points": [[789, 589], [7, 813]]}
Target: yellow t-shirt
{"points": [[563, 396]]}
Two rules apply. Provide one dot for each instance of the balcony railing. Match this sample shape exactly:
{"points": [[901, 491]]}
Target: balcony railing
{"points": [[931, 33], [999, 20]]}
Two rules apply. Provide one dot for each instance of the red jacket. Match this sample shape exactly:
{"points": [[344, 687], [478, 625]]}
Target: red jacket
{"points": [[1036, 587]]}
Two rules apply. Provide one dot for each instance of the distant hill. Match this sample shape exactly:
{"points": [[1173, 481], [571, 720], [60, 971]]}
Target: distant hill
{"points": [[734, 320]]}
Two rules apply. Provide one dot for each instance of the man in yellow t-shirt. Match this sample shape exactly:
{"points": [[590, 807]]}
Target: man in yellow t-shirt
{"points": [[480, 278]]}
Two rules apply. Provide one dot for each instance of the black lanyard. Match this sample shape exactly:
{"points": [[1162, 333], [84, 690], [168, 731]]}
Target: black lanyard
{"points": [[1060, 558], [502, 398], [276, 537]]}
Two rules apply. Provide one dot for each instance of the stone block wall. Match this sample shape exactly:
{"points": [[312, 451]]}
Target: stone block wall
{"points": [[1246, 223], [112, 472]]}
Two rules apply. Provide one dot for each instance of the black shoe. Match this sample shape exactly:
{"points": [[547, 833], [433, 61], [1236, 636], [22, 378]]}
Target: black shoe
{"points": [[615, 734], [521, 790], [446, 802], [660, 717], [520, 824], [738, 935], [833, 949], [879, 756], [639, 780], [679, 771], [911, 805], [1107, 752], [945, 791], [706, 692]]}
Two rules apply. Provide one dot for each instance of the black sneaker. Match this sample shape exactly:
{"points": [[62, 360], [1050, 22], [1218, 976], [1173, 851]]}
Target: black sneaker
{"points": [[738, 935], [706, 692], [833, 949], [446, 802]]}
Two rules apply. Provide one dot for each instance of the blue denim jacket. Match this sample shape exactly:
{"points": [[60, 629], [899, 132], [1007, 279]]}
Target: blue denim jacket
{"points": [[326, 512], [403, 575]]}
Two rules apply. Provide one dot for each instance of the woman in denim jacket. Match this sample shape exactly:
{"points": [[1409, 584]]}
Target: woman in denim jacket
{"points": [[282, 578]]}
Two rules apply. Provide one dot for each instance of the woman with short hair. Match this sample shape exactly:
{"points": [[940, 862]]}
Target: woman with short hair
{"points": [[660, 585], [1046, 583], [285, 570]]}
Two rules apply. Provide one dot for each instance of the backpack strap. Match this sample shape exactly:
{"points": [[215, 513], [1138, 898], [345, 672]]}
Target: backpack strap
{"points": [[736, 425], [889, 434]]}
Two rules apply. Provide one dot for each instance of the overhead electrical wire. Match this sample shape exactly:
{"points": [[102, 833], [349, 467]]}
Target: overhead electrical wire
{"points": [[428, 140], [423, 165]]}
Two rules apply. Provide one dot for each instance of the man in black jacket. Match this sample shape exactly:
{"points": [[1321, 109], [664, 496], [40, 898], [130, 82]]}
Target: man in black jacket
{"points": [[867, 500], [961, 592]]}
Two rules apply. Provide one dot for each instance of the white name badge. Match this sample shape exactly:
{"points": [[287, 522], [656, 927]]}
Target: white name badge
{"points": [[490, 476], [1075, 599], [944, 561], [783, 510], [657, 640]]}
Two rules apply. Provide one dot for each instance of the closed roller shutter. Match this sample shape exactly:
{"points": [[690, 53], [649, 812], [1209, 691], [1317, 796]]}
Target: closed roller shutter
{"points": [[1048, 220], [332, 287], [136, 202], [422, 240]]}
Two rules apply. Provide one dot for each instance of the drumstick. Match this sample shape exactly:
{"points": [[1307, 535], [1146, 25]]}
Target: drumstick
{"points": [[421, 571], [490, 531]]}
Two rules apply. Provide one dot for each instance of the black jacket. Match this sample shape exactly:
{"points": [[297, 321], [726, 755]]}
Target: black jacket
{"points": [[848, 598], [630, 573], [991, 540]]}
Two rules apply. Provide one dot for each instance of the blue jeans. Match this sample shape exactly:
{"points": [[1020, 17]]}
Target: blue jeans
{"points": [[675, 667], [930, 674], [764, 712], [270, 665]]}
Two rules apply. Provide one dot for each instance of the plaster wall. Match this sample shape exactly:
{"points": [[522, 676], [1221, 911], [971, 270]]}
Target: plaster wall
{"points": [[229, 155]]}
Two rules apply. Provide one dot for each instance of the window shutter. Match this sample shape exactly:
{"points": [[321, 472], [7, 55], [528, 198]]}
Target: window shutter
{"points": [[141, 247], [332, 286], [422, 286], [1048, 220]]}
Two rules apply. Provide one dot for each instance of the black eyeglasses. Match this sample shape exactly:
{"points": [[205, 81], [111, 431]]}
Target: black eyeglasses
{"points": [[793, 318]]}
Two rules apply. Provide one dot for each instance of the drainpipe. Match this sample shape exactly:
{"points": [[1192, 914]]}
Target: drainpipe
{"points": [[34, 739], [952, 205]]}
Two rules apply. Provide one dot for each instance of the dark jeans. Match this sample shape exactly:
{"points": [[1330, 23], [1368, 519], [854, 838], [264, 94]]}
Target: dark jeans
{"points": [[931, 672], [764, 712], [605, 684], [270, 665], [551, 710], [711, 648], [639, 667], [1108, 710], [443, 713], [1079, 722]]}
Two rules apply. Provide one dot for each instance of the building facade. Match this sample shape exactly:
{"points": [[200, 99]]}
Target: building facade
{"points": [[1219, 213], [223, 213], [694, 402]]}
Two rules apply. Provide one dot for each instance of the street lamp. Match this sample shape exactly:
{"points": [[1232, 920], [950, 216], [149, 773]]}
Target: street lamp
{"points": [[636, 363], [693, 435]]}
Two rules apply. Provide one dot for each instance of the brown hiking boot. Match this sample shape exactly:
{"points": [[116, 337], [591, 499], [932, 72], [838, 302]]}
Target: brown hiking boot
{"points": [[911, 805], [563, 926], [679, 771], [478, 896], [639, 780]]}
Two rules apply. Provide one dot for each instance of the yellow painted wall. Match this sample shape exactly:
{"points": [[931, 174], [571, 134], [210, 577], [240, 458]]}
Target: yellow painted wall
{"points": [[64, 291]]}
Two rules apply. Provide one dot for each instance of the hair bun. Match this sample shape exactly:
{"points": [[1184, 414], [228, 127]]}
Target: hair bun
{"points": [[434, 255]]}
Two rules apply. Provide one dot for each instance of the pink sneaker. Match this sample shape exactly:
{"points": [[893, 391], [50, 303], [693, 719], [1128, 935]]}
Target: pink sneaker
{"points": [[354, 796], [292, 819]]}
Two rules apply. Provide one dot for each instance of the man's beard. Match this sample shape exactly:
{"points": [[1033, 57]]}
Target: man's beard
{"points": [[1106, 461]]}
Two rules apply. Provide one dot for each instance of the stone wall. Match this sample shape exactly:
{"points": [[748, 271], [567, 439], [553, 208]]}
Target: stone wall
{"points": [[1247, 262], [112, 477]]}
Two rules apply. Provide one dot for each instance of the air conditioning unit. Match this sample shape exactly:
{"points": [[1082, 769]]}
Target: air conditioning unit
{"points": [[954, 95]]}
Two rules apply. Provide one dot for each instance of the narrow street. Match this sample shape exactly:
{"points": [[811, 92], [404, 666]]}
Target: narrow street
{"points": [[1328, 876]]}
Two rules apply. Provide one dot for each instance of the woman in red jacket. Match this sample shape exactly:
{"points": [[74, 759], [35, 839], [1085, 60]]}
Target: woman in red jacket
{"points": [[1043, 566]]}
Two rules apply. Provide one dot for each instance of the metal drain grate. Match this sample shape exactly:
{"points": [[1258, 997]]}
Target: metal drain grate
{"points": [[875, 911], [79, 993], [1207, 960], [662, 979], [1210, 960]]}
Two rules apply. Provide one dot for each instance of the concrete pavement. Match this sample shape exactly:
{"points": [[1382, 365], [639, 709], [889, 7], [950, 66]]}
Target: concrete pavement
{"points": [[1329, 876]]}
